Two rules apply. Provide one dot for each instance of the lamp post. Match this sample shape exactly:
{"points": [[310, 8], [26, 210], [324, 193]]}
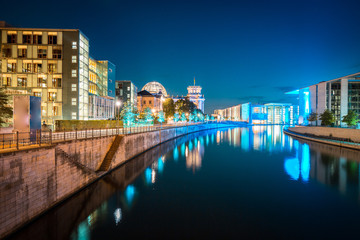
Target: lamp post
{"points": [[118, 103]]}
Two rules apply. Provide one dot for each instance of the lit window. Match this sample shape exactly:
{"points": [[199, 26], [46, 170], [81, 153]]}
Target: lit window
{"points": [[128, 88], [74, 45], [73, 115], [73, 101], [73, 73], [73, 87], [73, 59]]}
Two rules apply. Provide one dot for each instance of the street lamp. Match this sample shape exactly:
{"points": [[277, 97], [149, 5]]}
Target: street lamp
{"points": [[118, 103]]}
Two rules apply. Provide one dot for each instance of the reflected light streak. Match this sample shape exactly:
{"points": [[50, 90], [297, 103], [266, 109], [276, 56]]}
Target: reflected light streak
{"points": [[117, 215], [176, 154], [148, 176], [130, 193], [160, 165], [292, 168]]}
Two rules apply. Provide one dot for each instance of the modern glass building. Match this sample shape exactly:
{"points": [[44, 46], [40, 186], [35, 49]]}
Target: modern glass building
{"points": [[53, 64], [126, 91], [337, 95]]}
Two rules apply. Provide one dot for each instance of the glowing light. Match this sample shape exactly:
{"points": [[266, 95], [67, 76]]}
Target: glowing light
{"points": [[176, 154], [292, 168], [305, 163], [148, 175], [183, 146], [118, 103], [153, 175], [130, 193], [160, 165], [117, 215]]}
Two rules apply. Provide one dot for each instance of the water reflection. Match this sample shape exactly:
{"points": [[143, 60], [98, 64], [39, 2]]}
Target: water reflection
{"points": [[112, 201]]}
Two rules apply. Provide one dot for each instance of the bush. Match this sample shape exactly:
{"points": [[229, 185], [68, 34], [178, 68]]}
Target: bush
{"points": [[70, 125]]}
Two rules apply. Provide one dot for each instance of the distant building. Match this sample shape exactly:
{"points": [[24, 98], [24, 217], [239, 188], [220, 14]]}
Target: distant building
{"points": [[271, 113], [194, 95], [147, 100], [125, 92], [337, 95], [155, 88], [53, 64]]}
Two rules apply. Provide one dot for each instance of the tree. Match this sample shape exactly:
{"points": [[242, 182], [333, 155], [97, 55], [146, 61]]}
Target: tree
{"points": [[312, 117], [148, 115], [191, 117], [169, 107], [327, 118], [176, 117], [351, 119], [5, 110], [183, 117], [161, 117], [128, 114], [184, 106]]}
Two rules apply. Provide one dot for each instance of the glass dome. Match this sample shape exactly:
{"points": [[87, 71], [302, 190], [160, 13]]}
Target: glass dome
{"points": [[155, 88]]}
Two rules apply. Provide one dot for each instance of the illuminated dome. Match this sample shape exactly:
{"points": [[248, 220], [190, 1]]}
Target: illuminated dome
{"points": [[155, 88]]}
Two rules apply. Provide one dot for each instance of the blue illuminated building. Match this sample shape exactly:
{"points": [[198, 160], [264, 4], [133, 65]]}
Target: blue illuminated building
{"points": [[337, 95]]}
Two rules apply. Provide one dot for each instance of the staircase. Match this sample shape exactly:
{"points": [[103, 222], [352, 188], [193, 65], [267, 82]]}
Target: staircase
{"points": [[72, 159], [110, 154]]}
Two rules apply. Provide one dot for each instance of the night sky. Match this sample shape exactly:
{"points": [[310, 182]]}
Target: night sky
{"points": [[239, 51]]}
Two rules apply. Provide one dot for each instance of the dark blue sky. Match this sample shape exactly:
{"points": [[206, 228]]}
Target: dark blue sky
{"points": [[238, 51]]}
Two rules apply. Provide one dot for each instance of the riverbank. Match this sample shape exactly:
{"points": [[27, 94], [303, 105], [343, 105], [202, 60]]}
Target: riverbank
{"points": [[35, 180], [341, 137]]}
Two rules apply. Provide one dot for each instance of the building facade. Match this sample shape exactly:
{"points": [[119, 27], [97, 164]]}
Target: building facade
{"points": [[270, 113], [148, 100], [49, 63], [338, 95], [125, 92], [194, 95]]}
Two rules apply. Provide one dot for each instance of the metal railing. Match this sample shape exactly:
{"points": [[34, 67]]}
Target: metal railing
{"points": [[17, 140]]}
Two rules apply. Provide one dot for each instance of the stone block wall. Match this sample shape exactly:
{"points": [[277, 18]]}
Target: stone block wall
{"points": [[353, 134]]}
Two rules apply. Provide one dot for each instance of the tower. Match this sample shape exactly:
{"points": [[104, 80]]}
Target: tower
{"points": [[195, 96]]}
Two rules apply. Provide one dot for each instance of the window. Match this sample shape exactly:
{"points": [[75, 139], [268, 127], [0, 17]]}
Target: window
{"points": [[26, 67], [43, 110], [73, 115], [57, 53], [73, 59], [22, 82], [52, 39], [6, 81], [73, 73], [11, 38], [144, 102], [52, 67], [74, 45], [11, 67], [149, 102], [6, 51], [56, 82], [42, 82], [37, 67], [37, 39], [26, 39], [42, 52], [52, 96], [73, 87], [73, 101], [37, 94], [56, 111], [22, 52]]}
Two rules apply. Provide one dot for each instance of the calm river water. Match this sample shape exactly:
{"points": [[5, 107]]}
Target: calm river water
{"points": [[253, 183]]}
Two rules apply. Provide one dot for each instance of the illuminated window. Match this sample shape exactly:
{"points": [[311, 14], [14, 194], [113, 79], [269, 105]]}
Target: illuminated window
{"points": [[6, 81], [73, 59], [52, 96], [73, 115], [37, 67], [73, 73], [37, 39], [37, 94], [73, 87], [42, 82], [73, 101], [26, 39], [42, 52], [22, 82], [11, 67], [128, 88], [56, 82], [26, 67], [52, 39], [11, 38], [57, 52], [52, 68], [56, 111], [74, 45]]}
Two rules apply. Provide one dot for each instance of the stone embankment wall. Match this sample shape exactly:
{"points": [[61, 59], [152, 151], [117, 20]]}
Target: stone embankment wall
{"points": [[34, 180], [344, 133]]}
